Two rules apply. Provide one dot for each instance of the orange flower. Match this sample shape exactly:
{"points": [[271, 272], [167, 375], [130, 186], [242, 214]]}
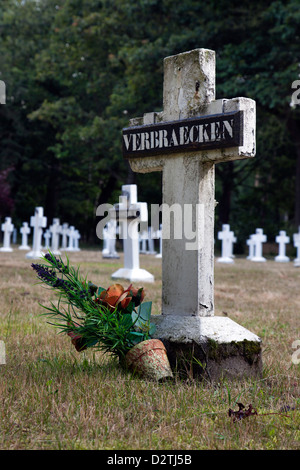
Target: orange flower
{"points": [[115, 296]]}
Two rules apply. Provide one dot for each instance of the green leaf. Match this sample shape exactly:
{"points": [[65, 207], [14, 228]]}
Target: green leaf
{"points": [[144, 311], [100, 289]]}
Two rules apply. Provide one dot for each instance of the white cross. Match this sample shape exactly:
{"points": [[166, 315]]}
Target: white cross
{"points": [[71, 234], [109, 240], [258, 239], [7, 228], [38, 221], [47, 237], [296, 240], [251, 244], [143, 241], [188, 182], [25, 231], [64, 234], [55, 230], [151, 250], [282, 239], [131, 213], [228, 239], [76, 237]]}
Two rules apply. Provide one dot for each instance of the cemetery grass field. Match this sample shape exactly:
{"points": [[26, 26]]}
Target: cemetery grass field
{"points": [[52, 397]]}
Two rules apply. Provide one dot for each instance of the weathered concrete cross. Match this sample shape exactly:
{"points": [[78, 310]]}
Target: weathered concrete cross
{"points": [[185, 141]]}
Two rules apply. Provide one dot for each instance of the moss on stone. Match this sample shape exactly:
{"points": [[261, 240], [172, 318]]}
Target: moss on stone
{"points": [[250, 350]]}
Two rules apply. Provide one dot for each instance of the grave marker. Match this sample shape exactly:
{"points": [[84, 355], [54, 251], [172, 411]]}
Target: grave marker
{"points": [[296, 240], [47, 238], [258, 239], [130, 214], [185, 141], [77, 237], [7, 228], [64, 236], [282, 239], [251, 245], [143, 242], [38, 221], [25, 231], [109, 240], [228, 238], [55, 230], [71, 235]]}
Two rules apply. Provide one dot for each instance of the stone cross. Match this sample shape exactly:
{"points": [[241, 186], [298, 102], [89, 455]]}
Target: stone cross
{"points": [[228, 238], [7, 229], [185, 141], [38, 221], [296, 240], [64, 236], [55, 230], [251, 245], [130, 214], [77, 237], [282, 239], [143, 242], [258, 239], [109, 240], [151, 250], [47, 237], [25, 231], [71, 234]]}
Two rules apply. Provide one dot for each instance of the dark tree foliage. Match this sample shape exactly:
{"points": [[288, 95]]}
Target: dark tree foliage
{"points": [[77, 70]]}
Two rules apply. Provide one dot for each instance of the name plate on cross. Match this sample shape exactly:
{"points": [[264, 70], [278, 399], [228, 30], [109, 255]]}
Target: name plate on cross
{"points": [[202, 133]]}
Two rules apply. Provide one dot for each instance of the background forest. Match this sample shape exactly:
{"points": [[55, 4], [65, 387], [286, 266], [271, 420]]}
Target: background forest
{"points": [[77, 70]]}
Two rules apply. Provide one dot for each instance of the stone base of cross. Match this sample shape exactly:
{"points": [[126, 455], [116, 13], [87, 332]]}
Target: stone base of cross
{"points": [[185, 141], [130, 213]]}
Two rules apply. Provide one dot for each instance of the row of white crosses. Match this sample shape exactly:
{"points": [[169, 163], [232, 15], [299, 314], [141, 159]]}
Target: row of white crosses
{"points": [[38, 222], [255, 244]]}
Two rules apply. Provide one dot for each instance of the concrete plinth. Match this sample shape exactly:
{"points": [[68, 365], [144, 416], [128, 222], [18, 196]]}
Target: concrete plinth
{"points": [[134, 275], [209, 347]]}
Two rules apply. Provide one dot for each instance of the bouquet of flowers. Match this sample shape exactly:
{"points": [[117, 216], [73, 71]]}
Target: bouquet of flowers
{"points": [[112, 320]]}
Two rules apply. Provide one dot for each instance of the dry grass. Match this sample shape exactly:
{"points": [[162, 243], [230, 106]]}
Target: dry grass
{"points": [[54, 398]]}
